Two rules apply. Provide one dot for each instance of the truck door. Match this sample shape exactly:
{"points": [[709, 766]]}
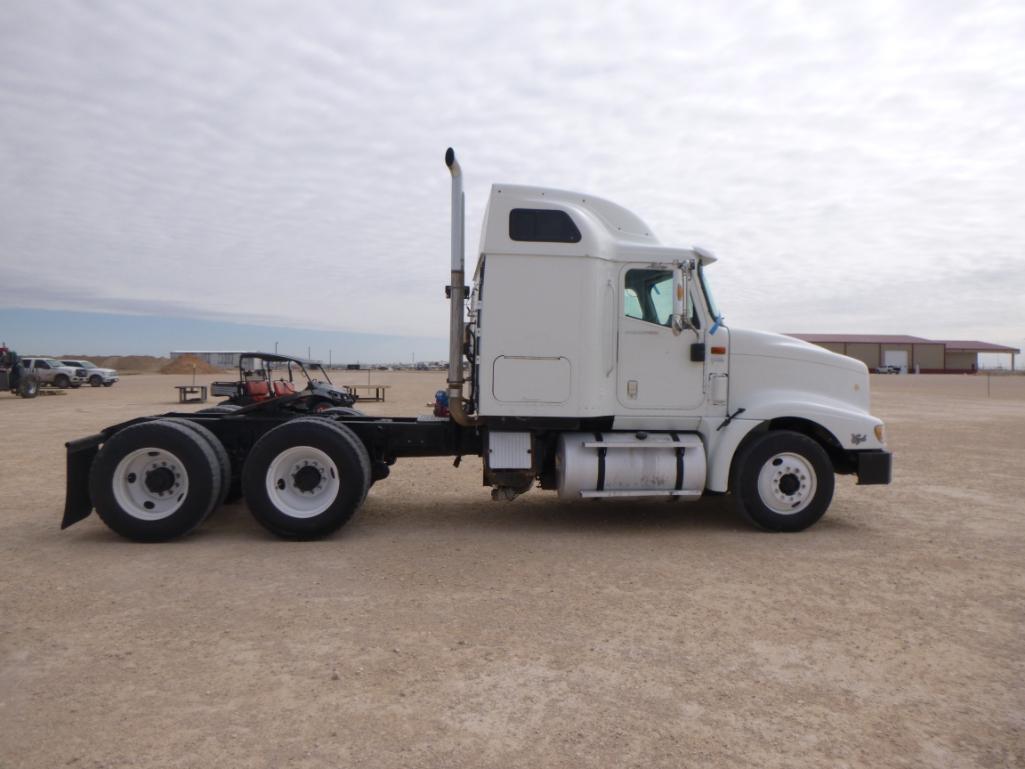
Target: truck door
{"points": [[655, 369]]}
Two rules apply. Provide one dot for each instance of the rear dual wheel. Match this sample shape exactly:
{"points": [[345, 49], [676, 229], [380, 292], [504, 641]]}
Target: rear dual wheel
{"points": [[305, 478], [157, 480]]}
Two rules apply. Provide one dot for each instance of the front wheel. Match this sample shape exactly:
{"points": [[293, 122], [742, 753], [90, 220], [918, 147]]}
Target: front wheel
{"points": [[62, 381], [304, 479], [783, 481], [95, 380]]}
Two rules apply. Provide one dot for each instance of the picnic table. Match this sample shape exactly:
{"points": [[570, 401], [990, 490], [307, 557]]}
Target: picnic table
{"points": [[191, 393], [374, 392]]}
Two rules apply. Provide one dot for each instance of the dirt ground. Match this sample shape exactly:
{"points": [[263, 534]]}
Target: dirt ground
{"points": [[441, 629]]}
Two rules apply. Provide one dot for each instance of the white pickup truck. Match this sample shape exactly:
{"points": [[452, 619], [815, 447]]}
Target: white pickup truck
{"points": [[95, 375], [50, 371]]}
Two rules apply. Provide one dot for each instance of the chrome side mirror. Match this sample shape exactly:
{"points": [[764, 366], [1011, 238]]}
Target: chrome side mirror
{"points": [[681, 298]]}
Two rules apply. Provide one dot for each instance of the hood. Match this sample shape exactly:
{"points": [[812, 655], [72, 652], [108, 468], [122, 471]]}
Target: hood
{"points": [[769, 345]]}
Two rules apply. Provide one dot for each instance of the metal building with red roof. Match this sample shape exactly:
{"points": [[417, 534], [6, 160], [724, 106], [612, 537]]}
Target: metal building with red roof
{"points": [[910, 353]]}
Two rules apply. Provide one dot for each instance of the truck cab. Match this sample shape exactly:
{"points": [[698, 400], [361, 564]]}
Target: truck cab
{"points": [[581, 321]]}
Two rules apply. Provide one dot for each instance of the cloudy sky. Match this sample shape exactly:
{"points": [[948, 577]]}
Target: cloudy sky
{"points": [[856, 166]]}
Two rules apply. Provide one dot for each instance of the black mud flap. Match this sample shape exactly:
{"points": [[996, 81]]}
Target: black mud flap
{"points": [[874, 467], [77, 503]]}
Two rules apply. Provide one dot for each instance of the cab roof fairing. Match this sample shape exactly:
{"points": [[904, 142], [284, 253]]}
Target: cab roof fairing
{"points": [[608, 231]]}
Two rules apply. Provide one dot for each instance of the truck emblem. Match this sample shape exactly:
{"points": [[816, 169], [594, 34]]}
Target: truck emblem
{"points": [[857, 438]]}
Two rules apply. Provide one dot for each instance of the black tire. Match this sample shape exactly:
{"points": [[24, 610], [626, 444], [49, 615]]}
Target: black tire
{"points": [[224, 408], [343, 410], [95, 380], [62, 381], [28, 386], [783, 481], [339, 468], [223, 460], [177, 448]]}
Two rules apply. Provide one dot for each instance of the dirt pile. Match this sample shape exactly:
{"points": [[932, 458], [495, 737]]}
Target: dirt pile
{"points": [[186, 364]]}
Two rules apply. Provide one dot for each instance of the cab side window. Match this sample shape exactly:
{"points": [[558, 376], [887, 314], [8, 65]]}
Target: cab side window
{"points": [[648, 296]]}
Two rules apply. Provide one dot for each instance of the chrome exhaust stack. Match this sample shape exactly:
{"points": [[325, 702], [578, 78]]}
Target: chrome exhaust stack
{"points": [[457, 295]]}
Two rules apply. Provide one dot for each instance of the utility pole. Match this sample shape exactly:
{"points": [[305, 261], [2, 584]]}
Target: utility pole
{"points": [[329, 354], [275, 348], [308, 356]]}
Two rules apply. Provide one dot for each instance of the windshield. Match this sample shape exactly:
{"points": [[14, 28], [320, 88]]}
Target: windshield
{"points": [[707, 290], [54, 363], [319, 370], [82, 364]]}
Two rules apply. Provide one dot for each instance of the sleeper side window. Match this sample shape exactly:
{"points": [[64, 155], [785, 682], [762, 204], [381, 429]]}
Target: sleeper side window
{"points": [[542, 225]]}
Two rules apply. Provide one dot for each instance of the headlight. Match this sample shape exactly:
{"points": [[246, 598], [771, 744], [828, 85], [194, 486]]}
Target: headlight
{"points": [[879, 433]]}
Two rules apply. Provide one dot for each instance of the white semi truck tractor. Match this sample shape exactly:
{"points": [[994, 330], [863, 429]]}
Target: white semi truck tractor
{"points": [[585, 358]]}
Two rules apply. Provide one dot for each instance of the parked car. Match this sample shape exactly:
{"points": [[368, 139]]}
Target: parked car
{"points": [[96, 376], [50, 371], [301, 385], [888, 370]]}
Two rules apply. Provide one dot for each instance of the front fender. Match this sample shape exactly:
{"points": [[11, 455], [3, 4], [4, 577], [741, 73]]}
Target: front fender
{"points": [[723, 443], [852, 428]]}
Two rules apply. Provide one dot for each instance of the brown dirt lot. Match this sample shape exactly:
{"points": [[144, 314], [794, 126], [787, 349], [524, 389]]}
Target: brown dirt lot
{"points": [[440, 629]]}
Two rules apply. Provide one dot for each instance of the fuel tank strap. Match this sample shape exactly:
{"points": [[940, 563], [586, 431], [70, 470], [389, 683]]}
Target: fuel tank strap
{"points": [[679, 461], [602, 450]]}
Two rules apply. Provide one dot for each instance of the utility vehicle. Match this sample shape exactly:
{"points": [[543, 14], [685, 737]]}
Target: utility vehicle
{"points": [[264, 376]]}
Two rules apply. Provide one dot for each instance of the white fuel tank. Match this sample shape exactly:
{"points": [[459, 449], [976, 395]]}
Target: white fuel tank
{"points": [[630, 464]]}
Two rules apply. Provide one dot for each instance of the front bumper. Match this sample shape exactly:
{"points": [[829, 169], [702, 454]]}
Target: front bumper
{"points": [[874, 467]]}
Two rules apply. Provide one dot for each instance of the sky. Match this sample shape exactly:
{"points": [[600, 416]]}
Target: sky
{"points": [[191, 168]]}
